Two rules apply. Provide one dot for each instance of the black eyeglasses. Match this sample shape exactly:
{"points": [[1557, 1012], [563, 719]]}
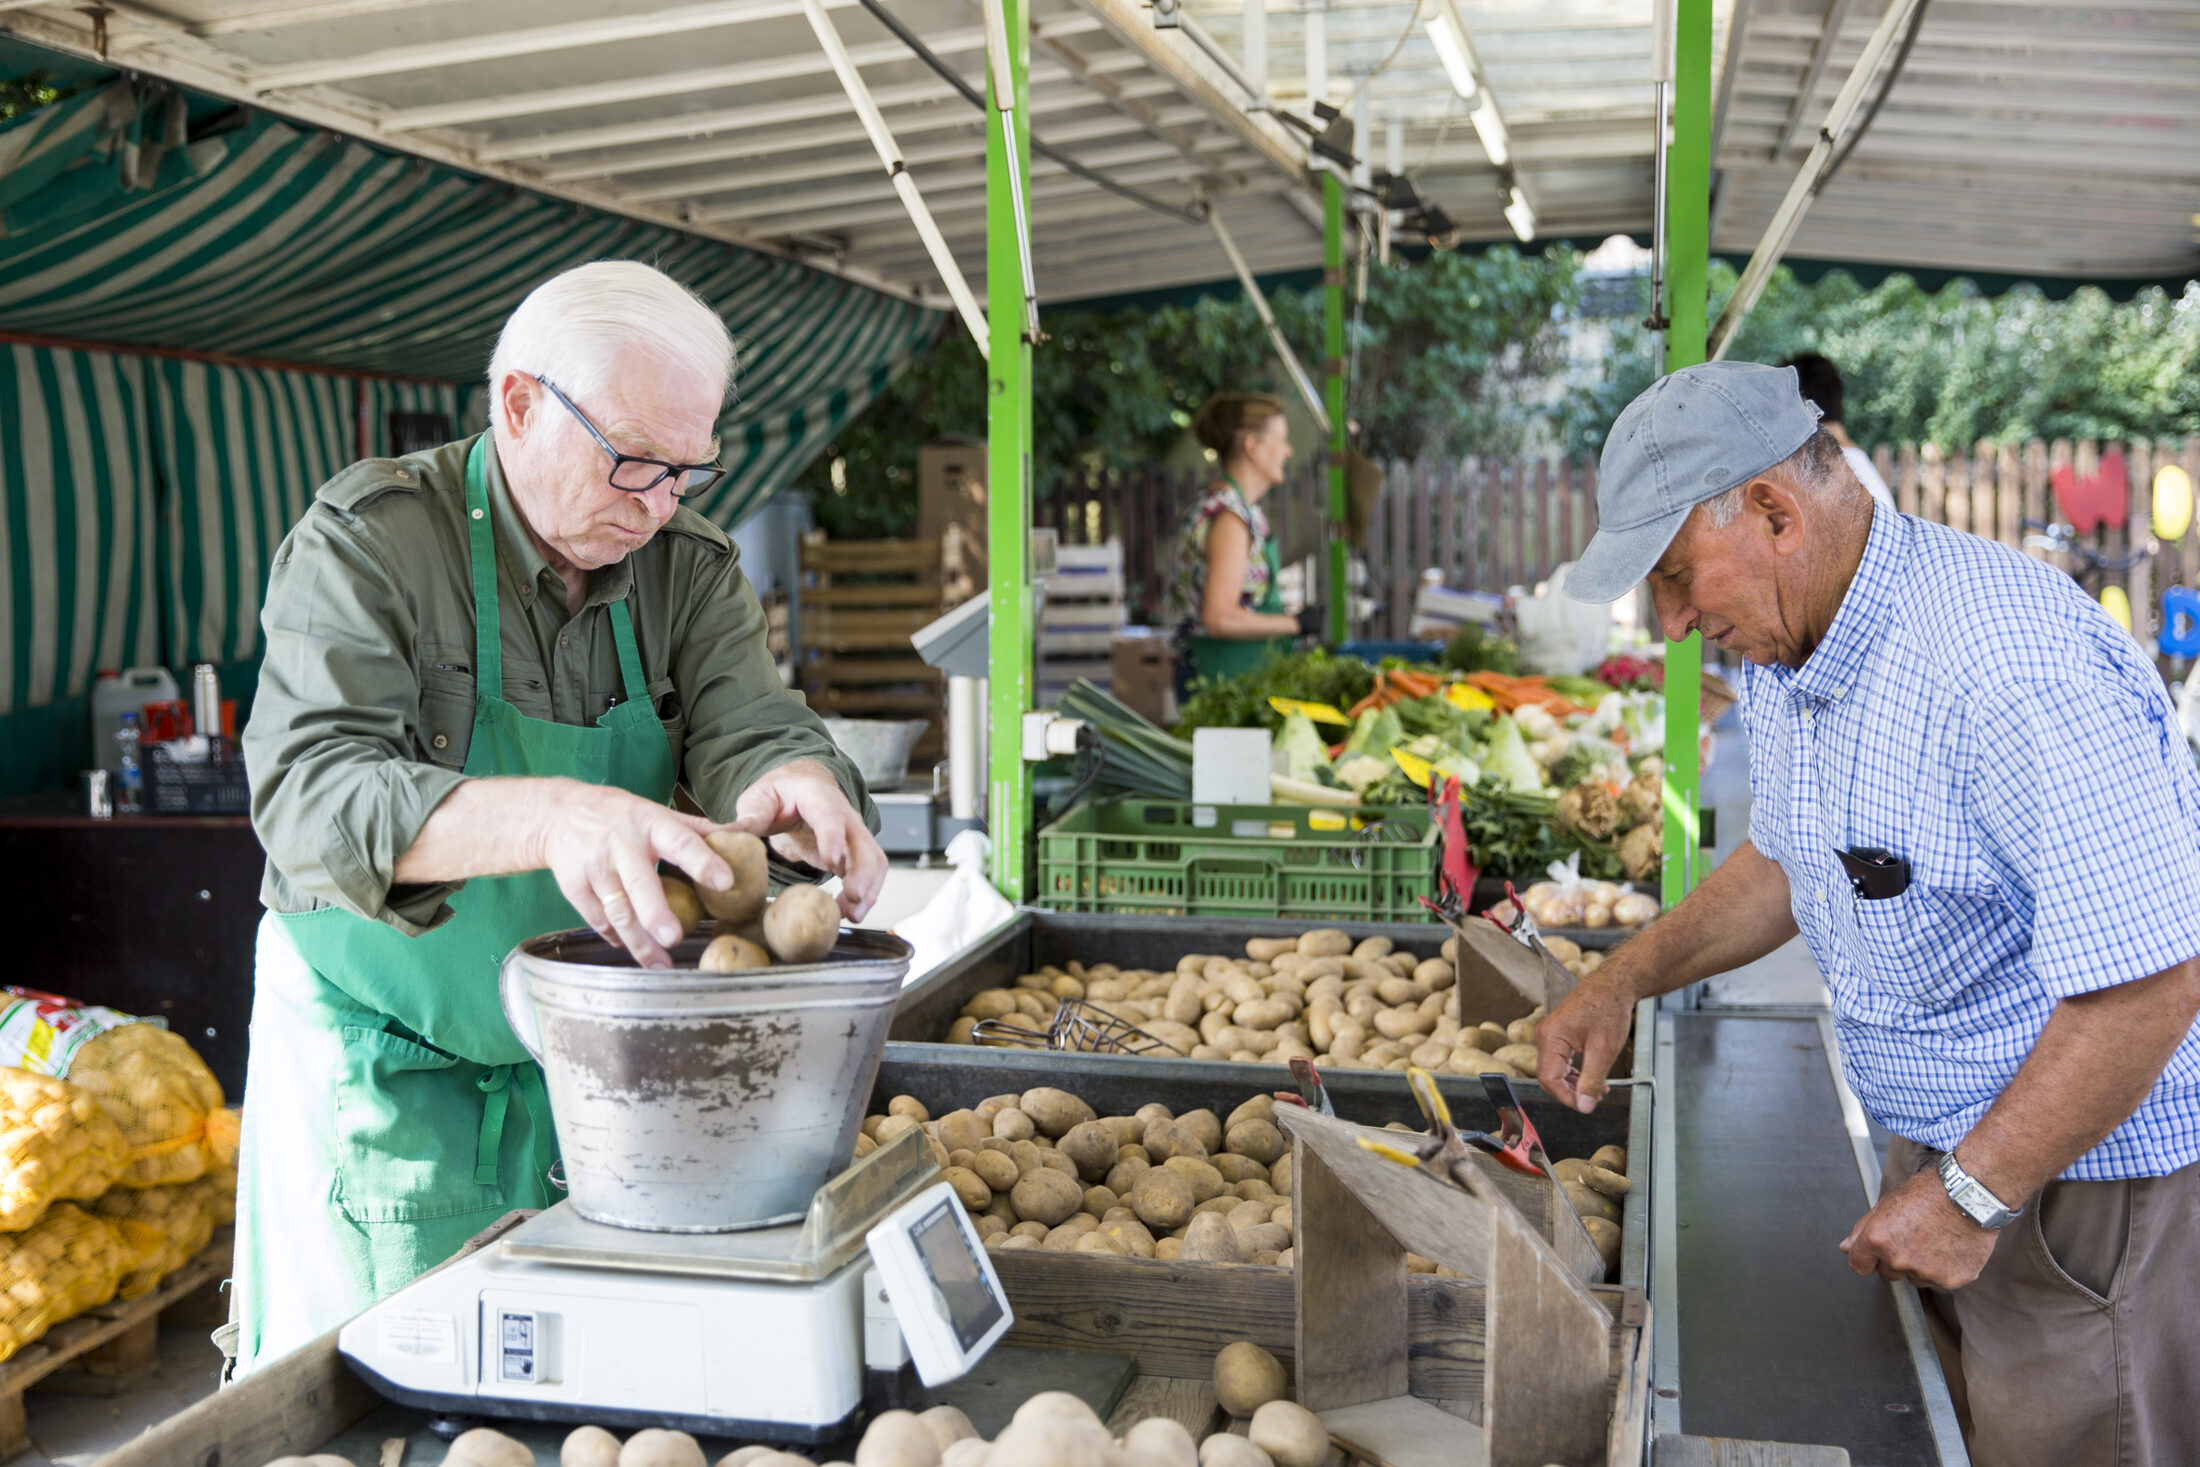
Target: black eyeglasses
{"points": [[640, 475]]}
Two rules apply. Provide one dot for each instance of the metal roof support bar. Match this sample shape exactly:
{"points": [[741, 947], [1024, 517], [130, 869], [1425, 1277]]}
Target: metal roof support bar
{"points": [[1804, 190], [1333, 420], [889, 153], [1171, 15], [1198, 78], [1662, 21], [1002, 77], [1282, 343], [1829, 36], [925, 54]]}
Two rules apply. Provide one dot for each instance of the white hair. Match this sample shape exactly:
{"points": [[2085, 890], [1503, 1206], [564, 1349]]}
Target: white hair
{"points": [[1817, 468], [573, 328]]}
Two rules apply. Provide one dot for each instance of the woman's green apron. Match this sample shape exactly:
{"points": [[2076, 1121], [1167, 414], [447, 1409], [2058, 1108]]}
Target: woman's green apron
{"points": [[1218, 657], [430, 1121]]}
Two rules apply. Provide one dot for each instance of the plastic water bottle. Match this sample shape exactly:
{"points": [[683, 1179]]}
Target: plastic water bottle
{"points": [[130, 791]]}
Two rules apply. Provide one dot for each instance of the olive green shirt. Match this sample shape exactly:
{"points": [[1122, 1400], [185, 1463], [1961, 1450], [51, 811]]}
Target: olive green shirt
{"points": [[366, 697]]}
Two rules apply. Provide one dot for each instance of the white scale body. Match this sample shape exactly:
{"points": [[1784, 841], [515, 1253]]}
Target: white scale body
{"points": [[763, 1334]]}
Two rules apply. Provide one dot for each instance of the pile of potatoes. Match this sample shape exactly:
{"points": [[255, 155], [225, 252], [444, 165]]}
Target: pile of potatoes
{"points": [[753, 928], [1344, 1005], [1043, 1170]]}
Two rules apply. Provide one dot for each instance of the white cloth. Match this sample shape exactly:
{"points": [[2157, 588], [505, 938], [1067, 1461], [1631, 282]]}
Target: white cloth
{"points": [[1869, 476], [961, 912]]}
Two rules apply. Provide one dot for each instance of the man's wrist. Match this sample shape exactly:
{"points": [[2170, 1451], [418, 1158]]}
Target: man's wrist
{"points": [[1971, 1196]]}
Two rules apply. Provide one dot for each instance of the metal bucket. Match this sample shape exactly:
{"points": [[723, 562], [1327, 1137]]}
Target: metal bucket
{"points": [[690, 1102], [880, 747]]}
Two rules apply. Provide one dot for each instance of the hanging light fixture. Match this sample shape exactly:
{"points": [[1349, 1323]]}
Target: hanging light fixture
{"points": [[1520, 215], [1452, 47]]}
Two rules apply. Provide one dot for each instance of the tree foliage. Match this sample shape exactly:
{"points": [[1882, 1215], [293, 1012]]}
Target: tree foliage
{"points": [[1452, 349], [1952, 367]]}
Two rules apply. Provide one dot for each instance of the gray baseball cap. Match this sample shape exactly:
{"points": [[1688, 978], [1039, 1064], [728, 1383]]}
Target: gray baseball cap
{"points": [[1691, 437]]}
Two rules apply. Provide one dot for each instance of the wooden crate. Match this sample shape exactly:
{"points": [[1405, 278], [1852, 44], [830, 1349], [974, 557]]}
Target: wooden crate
{"points": [[103, 1350], [860, 601]]}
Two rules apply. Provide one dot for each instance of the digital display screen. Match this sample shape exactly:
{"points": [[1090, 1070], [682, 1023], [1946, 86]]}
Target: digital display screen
{"points": [[958, 1278]]}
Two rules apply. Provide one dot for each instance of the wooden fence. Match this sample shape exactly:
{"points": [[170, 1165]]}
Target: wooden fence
{"points": [[1490, 524]]}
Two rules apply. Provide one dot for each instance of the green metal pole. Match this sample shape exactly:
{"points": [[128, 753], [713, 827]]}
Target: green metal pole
{"points": [[1340, 589], [1688, 264], [1008, 479]]}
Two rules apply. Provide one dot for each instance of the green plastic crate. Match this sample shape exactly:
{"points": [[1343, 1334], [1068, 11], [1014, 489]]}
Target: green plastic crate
{"points": [[1161, 857]]}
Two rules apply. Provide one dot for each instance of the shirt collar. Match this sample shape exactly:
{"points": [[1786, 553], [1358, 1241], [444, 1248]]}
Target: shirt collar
{"points": [[520, 555], [1834, 664]]}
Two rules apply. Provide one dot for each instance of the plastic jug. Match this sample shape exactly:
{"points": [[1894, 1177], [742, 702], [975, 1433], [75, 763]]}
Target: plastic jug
{"points": [[117, 693]]}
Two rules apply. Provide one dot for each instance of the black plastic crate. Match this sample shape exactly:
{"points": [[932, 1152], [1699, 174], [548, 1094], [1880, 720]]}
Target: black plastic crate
{"points": [[200, 787]]}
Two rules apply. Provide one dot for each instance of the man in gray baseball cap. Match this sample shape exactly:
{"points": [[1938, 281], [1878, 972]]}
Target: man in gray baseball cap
{"points": [[1953, 752]]}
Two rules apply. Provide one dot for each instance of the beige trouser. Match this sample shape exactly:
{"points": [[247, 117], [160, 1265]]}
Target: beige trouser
{"points": [[2079, 1345]]}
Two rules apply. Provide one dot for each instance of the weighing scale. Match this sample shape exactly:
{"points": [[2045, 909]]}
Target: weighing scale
{"points": [[764, 1334]]}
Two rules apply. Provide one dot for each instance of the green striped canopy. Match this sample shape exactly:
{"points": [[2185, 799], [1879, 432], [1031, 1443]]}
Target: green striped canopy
{"points": [[145, 493]]}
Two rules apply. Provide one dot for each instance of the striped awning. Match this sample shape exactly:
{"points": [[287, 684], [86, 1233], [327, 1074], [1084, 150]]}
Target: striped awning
{"points": [[123, 221]]}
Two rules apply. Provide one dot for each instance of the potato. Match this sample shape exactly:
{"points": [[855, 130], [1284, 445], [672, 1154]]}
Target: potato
{"points": [[1036, 1231], [1050, 1157], [970, 1188], [1400, 1022], [1211, 1239], [1522, 1057], [1162, 1199], [1259, 1108], [589, 1446], [1611, 1158], [1013, 1241], [1167, 1248], [1324, 942], [997, 1170], [1263, 1013], [1046, 1195], [1206, 1182], [801, 925], [1065, 1238], [970, 1452], [910, 1106], [988, 1224], [1055, 1404], [1279, 1176], [1592, 1176], [730, 954], [1395, 991], [1130, 1235], [898, 1439], [1056, 1112], [1590, 1204], [1247, 1378], [1054, 1441], [744, 900], [1264, 1237], [1606, 1235], [1206, 1126], [948, 1426], [1166, 1139], [1238, 1169], [1124, 1175], [747, 1456], [1257, 1139], [1100, 1201], [652, 1448], [1225, 1450], [1254, 1189], [1159, 1442], [994, 1003], [1092, 1147], [1013, 1125], [1289, 1433], [1099, 1242], [685, 904]]}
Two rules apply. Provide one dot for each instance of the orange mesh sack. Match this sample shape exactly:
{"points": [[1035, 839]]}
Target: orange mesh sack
{"points": [[56, 1144], [164, 1227], [70, 1261], [224, 1133]]}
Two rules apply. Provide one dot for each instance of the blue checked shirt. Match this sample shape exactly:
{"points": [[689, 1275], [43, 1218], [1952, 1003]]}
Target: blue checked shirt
{"points": [[1975, 713]]}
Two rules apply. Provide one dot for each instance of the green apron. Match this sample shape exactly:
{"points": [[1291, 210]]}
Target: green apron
{"points": [[382, 1131], [1219, 657]]}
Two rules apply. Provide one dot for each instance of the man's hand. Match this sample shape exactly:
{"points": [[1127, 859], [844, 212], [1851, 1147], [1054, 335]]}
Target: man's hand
{"points": [[603, 845], [800, 807], [1916, 1233], [1587, 1029]]}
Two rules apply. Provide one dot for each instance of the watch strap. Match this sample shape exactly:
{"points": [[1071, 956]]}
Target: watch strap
{"points": [[1972, 1197]]}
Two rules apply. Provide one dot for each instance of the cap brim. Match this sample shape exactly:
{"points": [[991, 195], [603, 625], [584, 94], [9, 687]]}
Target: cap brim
{"points": [[1617, 560]]}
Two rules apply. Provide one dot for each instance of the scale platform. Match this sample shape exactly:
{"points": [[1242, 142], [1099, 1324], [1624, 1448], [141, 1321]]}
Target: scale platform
{"points": [[762, 1334]]}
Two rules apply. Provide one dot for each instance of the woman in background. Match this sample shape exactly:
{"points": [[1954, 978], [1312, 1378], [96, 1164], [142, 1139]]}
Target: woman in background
{"points": [[1233, 616]]}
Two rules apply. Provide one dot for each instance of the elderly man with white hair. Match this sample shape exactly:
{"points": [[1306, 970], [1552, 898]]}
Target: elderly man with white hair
{"points": [[489, 665]]}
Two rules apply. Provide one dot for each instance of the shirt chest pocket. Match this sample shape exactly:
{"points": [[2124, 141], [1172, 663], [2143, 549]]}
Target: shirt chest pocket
{"points": [[446, 705], [1925, 946]]}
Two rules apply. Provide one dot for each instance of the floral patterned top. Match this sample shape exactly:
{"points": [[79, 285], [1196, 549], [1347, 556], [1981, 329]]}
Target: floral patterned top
{"points": [[1190, 593]]}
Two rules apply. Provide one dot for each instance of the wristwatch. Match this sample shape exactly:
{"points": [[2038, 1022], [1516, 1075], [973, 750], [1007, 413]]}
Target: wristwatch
{"points": [[1969, 1194]]}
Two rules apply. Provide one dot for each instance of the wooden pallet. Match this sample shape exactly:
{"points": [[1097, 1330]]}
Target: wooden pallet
{"points": [[103, 1350]]}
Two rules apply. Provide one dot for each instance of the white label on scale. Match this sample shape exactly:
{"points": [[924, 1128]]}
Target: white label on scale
{"points": [[431, 1337]]}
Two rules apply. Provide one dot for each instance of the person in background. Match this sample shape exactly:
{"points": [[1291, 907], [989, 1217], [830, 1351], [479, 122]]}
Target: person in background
{"points": [[1232, 609], [1821, 384]]}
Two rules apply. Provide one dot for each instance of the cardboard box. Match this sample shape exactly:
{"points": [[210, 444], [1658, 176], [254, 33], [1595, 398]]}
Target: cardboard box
{"points": [[1145, 671], [951, 490]]}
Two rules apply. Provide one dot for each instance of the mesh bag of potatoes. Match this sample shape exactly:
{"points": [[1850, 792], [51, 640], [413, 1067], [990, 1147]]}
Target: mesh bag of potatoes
{"points": [[149, 1081], [164, 1226], [66, 1263], [56, 1144]]}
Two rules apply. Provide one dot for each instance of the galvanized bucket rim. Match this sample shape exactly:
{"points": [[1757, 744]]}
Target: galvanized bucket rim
{"points": [[856, 950]]}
